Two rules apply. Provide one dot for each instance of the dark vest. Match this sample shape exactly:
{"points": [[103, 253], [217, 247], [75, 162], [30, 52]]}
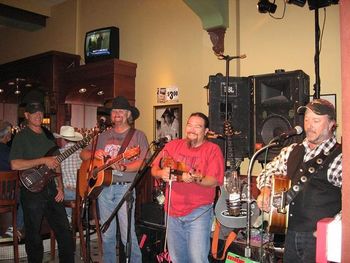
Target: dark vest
{"points": [[318, 199]]}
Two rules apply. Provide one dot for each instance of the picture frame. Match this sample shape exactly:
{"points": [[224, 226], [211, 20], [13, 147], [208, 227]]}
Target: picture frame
{"points": [[332, 98], [168, 121]]}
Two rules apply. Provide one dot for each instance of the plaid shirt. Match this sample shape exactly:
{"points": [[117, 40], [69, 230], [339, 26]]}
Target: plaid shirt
{"points": [[279, 164], [70, 166]]}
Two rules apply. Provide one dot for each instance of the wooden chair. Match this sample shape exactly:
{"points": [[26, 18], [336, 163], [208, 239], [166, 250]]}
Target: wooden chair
{"points": [[8, 203]]}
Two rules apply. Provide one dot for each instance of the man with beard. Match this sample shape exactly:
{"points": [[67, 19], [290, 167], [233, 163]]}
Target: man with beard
{"points": [[108, 145], [320, 195], [189, 200]]}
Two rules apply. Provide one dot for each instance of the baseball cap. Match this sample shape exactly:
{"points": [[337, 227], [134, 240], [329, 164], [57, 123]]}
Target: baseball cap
{"points": [[320, 107], [34, 107]]}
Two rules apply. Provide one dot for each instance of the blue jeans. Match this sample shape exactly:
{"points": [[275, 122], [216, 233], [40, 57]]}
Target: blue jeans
{"points": [[189, 236], [299, 247], [69, 195], [107, 202]]}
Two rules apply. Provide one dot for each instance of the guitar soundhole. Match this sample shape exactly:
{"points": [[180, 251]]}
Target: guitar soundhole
{"points": [[92, 182]]}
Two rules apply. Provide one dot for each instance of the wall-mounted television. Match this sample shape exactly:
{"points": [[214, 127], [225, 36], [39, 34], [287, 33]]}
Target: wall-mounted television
{"points": [[101, 43]]}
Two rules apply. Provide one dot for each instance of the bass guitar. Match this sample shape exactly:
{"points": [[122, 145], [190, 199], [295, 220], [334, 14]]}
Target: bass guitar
{"points": [[231, 206], [92, 183], [35, 179], [278, 216]]}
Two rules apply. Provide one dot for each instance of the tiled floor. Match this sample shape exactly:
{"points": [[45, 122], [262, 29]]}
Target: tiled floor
{"points": [[6, 253]]}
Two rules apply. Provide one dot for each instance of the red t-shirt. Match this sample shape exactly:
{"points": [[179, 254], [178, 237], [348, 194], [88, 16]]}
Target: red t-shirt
{"points": [[208, 159]]}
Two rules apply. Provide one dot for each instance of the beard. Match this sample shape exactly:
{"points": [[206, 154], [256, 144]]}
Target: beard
{"points": [[191, 143]]}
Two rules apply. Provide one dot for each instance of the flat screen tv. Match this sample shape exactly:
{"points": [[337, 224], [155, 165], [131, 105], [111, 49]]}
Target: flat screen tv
{"points": [[102, 43]]}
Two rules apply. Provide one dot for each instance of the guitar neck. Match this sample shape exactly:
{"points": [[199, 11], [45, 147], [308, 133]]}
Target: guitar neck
{"points": [[60, 158]]}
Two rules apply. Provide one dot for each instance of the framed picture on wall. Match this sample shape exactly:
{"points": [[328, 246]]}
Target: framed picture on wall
{"points": [[168, 121]]}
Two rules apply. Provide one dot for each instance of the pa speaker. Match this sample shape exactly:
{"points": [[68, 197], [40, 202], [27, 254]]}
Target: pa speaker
{"points": [[277, 98], [236, 109]]}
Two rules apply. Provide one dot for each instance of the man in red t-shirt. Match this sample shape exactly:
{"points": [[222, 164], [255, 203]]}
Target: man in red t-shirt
{"points": [[189, 201]]}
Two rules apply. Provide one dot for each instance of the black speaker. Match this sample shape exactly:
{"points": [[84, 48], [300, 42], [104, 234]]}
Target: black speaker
{"points": [[239, 114], [277, 98], [152, 213]]}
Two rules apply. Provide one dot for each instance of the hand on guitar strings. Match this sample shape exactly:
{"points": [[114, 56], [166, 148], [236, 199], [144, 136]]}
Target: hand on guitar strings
{"points": [[263, 200], [50, 162]]}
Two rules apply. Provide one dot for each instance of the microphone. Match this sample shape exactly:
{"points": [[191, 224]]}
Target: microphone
{"points": [[102, 123], [165, 139], [283, 136], [227, 57]]}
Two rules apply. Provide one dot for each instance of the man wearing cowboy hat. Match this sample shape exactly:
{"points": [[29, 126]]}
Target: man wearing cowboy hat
{"points": [[28, 150], [109, 143], [71, 164]]}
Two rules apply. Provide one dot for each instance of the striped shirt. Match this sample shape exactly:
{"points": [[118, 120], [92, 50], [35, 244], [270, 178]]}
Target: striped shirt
{"points": [[279, 164]]}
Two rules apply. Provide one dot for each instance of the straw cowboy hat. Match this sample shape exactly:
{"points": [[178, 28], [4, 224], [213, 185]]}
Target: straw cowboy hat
{"points": [[68, 133]]}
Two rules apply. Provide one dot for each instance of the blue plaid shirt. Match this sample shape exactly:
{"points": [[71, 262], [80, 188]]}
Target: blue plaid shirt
{"points": [[279, 164]]}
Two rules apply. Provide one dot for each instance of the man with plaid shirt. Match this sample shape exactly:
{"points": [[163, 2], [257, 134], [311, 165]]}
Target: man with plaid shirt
{"points": [[71, 165], [320, 196]]}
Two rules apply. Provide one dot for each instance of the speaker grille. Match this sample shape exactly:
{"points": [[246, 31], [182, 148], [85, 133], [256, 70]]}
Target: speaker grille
{"points": [[239, 115], [277, 98]]}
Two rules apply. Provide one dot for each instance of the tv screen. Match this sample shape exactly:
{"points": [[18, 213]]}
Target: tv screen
{"points": [[102, 43]]}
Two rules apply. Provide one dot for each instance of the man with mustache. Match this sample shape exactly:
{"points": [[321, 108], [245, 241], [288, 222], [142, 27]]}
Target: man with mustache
{"points": [[190, 205], [320, 195]]}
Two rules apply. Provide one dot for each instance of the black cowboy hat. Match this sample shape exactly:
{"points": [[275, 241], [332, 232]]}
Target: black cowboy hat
{"points": [[123, 104]]}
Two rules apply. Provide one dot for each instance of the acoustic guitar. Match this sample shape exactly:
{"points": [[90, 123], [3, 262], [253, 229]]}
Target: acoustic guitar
{"points": [[278, 216], [92, 183]]}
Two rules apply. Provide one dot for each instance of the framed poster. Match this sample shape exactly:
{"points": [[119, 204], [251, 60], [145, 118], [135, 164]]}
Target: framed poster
{"points": [[168, 121]]}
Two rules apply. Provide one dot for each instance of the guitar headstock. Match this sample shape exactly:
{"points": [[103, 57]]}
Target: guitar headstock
{"points": [[132, 152], [228, 130]]}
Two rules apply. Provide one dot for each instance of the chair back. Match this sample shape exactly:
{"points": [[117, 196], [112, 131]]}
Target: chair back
{"points": [[8, 188]]}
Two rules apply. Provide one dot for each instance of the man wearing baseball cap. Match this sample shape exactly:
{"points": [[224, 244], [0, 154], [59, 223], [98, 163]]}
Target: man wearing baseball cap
{"points": [[29, 149], [320, 196]]}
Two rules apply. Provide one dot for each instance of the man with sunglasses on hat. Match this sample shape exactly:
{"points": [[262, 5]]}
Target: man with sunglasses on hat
{"points": [[29, 149], [320, 196], [109, 145]]}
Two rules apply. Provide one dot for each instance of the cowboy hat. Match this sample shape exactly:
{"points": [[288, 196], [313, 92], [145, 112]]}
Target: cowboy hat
{"points": [[68, 133], [123, 104]]}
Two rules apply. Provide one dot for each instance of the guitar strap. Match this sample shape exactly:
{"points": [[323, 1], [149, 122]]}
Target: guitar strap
{"points": [[309, 168], [214, 245], [126, 140]]}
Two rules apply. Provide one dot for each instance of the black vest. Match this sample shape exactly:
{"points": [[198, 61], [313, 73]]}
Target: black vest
{"points": [[318, 199]]}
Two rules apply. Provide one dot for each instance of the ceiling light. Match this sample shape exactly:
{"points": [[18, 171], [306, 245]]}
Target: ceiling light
{"points": [[100, 93], [82, 90], [1, 90], [265, 6]]}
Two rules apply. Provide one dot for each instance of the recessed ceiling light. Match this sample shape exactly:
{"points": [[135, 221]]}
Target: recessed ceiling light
{"points": [[82, 90]]}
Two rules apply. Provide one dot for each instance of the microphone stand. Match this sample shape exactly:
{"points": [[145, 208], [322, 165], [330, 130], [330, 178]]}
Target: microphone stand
{"points": [[128, 197], [247, 250]]}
